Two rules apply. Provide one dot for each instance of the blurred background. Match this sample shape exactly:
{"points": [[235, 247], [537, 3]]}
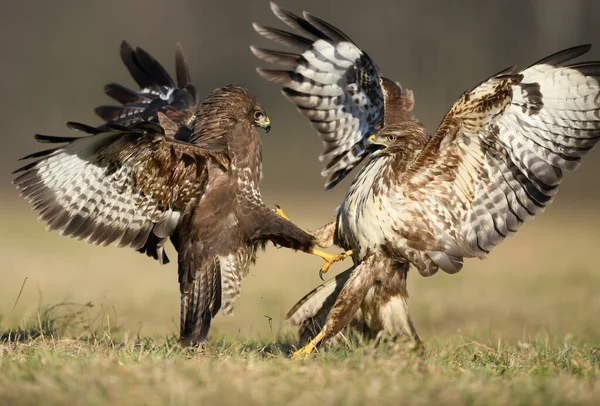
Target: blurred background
{"points": [[56, 56]]}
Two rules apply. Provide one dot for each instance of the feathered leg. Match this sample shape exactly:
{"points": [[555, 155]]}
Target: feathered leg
{"points": [[346, 304]]}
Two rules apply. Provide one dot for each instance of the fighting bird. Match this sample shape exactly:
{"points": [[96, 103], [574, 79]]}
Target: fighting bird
{"points": [[421, 200], [165, 166]]}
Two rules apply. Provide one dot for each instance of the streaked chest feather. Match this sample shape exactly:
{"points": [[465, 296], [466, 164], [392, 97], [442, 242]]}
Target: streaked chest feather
{"points": [[364, 217]]}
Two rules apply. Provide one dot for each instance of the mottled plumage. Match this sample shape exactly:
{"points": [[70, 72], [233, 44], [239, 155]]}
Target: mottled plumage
{"points": [[495, 161], [164, 166]]}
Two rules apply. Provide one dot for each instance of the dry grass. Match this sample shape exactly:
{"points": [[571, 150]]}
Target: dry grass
{"points": [[520, 328], [99, 371]]}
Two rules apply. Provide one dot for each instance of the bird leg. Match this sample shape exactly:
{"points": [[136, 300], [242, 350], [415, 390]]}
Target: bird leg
{"points": [[308, 348], [346, 304], [329, 258]]}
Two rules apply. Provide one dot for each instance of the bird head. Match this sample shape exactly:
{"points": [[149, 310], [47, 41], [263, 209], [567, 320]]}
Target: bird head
{"points": [[260, 118], [232, 104], [399, 137]]}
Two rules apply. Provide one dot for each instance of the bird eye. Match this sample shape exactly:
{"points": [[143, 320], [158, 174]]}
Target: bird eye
{"points": [[391, 138], [258, 115]]}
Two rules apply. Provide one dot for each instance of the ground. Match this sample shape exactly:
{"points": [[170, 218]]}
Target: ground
{"points": [[536, 372], [97, 325]]}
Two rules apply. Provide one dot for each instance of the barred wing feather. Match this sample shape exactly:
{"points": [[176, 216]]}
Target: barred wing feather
{"points": [[114, 187], [498, 157], [332, 82]]}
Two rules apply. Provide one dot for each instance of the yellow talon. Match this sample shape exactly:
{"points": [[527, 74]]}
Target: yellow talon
{"points": [[305, 351], [330, 259], [279, 212]]}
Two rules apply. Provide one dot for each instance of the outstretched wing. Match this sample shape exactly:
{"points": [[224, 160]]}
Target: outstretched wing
{"points": [[120, 187], [159, 99], [336, 85], [498, 157]]}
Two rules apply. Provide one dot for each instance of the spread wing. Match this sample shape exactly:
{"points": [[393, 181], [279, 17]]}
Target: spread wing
{"points": [[159, 99], [498, 157], [336, 85], [120, 187]]}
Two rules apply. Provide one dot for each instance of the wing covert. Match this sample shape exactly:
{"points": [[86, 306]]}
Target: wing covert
{"points": [[115, 186], [498, 157]]}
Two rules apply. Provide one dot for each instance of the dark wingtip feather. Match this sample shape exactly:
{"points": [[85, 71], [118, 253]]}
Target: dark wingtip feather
{"points": [[283, 37], [23, 169], [327, 29], [154, 70], [129, 58], [281, 77], [181, 67], [54, 139], [297, 23], [38, 154], [590, 68], [114, 113], [122, 94], [334, 179], [83, 128], [565, 55], [125, 48], [284, 59]]}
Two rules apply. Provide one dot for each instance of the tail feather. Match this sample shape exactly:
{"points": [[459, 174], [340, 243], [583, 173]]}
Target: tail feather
{"points": [[195, 318], [200, 302]]}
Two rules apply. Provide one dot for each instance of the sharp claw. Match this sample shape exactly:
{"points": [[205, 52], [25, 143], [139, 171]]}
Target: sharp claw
{"points": [[279, 211], [321, 274]]}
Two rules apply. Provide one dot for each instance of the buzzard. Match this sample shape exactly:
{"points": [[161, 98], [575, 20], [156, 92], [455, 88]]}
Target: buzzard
{"points": [[164, 166], [496, 161]]}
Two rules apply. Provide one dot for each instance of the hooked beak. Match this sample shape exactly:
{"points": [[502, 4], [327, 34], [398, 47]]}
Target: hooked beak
{"points": [[374, 145], [265, 123]]}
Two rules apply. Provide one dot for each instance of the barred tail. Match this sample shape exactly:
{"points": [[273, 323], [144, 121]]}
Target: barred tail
{"points": [[200, 302]]}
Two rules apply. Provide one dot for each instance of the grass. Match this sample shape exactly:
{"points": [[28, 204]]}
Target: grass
{"points": [[97, 325], [100, 370]]}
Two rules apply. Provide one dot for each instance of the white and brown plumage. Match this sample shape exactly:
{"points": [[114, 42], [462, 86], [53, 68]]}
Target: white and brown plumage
{"points": [[165, 166], [495, 161]]}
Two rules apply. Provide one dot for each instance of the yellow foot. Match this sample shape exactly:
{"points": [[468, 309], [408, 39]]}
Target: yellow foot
{"points": [[279, 212], [330, 259], [305, 351]]}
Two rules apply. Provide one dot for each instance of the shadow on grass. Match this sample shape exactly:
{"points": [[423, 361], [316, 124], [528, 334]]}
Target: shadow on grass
{"points": [[52, 321], [96, 327]]}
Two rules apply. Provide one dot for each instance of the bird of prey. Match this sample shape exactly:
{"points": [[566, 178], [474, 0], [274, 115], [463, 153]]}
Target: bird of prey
{"points": [[164, 166], [495, 161]]}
